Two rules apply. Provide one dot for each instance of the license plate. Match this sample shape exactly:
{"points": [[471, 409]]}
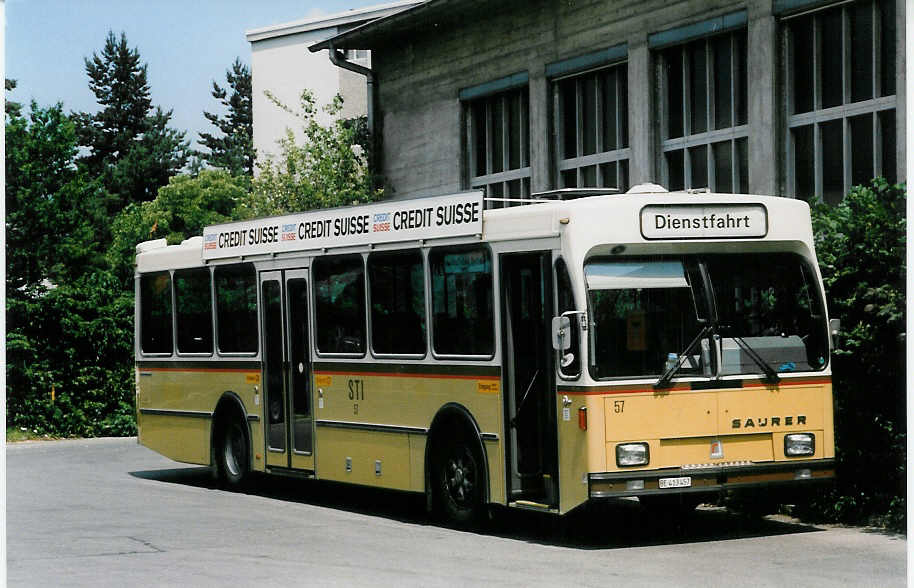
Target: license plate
{"points": [[683, 482]]}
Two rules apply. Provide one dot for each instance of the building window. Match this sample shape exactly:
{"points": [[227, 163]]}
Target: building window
{"points": [[498, 144], [592, 129], [840, 98], [703, 114]]}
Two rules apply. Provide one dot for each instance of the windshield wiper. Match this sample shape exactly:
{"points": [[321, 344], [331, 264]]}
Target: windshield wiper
{"points": [[667, 377], [770, 375]]}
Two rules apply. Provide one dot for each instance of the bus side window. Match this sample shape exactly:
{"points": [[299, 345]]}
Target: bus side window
{"points": [[194, 310], [396, 282], [236, 308], [155, 313], [464, 319], [339, 304], [566, 303]]}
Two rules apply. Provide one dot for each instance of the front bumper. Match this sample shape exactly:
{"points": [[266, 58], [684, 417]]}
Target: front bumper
{"points": [[710, 478]]}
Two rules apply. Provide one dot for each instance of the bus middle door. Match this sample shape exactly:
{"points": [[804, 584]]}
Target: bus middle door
{"points": [[287, 369]]}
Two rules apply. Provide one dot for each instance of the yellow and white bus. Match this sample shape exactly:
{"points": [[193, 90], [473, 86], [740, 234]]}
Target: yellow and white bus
{"points": [[650, 344]]}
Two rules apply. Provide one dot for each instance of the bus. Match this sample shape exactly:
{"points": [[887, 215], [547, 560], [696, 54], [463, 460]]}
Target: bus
{"points": [[537, 354]]}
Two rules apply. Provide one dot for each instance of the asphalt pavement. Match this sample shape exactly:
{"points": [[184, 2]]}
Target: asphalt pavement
{"points": [[108, 512]]}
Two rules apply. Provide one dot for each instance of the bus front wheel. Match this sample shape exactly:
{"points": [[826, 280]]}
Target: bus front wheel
{"points": [[458, 482], [233, 453]]}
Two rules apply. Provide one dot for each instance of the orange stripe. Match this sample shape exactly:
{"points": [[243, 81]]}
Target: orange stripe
{"points": [[398, 375]]}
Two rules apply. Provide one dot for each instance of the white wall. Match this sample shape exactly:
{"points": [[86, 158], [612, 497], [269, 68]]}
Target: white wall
{"points": [[284, 66]]}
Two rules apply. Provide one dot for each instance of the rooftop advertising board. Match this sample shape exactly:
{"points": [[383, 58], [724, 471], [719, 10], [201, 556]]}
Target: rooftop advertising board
{"points": [[384, 222]]}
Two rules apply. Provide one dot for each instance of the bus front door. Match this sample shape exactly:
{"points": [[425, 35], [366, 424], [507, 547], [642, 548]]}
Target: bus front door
{"points": [[528, 373], [287, 369]]}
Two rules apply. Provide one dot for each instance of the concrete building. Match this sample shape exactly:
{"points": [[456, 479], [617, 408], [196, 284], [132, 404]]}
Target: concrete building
{"points": [[282, 65], [798, 98]]}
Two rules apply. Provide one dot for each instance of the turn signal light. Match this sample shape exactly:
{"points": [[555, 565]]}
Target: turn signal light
{"points": [[582, 418]]}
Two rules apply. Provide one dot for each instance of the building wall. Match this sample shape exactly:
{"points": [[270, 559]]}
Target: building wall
{"points": [[423, 123], [284, 66]]}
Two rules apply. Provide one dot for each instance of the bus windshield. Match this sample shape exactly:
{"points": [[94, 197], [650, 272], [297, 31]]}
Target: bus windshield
{"points": [[771, 301], [644, 313]]}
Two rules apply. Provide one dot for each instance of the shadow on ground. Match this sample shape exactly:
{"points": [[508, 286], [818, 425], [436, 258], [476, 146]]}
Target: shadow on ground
{"points": [[604, 525]]}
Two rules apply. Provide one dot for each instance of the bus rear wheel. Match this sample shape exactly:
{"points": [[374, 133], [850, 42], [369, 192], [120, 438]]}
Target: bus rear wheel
{"points": [[233, 454], [459, 482]]}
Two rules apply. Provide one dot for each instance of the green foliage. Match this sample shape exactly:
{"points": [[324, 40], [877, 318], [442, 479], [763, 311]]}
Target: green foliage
{"points": [[234, 150], [329, 169], [75, 340], [860, 245], [12, 108], [53, 210], [180, 211], [130, 146]]}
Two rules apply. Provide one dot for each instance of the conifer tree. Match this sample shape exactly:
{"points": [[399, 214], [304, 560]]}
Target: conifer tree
{"points": [[234, 150], [130, 146]]}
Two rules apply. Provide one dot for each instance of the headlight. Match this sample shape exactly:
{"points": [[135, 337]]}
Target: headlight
{"points": [[632, 454], [798, 444]]}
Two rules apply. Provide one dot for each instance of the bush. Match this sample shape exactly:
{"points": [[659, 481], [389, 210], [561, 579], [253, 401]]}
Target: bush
{"points": [[860, 245], [70, 358]]}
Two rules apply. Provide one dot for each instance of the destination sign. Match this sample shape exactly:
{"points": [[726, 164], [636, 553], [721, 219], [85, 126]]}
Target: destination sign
{"points": [[704, 221], [384, 222]]}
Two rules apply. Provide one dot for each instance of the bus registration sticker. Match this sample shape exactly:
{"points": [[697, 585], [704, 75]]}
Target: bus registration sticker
{"points": [[682, 482]]}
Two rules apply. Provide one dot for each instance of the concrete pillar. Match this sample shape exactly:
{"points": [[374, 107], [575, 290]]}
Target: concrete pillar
{"points": [[762, 106], [641, 135], [540, 130]]}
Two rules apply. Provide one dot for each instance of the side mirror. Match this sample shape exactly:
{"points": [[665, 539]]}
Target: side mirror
{"points": [[834, 329], [561, 339]]}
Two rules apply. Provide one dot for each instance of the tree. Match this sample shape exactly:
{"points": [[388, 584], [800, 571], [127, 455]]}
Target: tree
{"points": [[860, 244], [130, 146], [53, 211], [181, 210], [58, 294], [330, 167], [11, 108], [234, 150]]}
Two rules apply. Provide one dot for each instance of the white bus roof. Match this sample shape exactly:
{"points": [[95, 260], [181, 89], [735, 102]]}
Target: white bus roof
{"points": [[645, 219]]}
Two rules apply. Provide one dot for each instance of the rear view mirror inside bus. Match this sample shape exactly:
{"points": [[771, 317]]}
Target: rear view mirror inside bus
{"points": [[561, 335]]}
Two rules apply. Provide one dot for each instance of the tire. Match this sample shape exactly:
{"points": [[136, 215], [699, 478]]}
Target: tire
{"points": [[459, 479], [233, 453]]}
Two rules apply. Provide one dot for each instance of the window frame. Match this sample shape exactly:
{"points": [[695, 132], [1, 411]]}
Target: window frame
{"points": [[423, 256], [431, 304], [599, 157], [819, 116], [141, 307], [501, 91], [216, 342], [365, 308], [737, 134], [212, 313]]}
